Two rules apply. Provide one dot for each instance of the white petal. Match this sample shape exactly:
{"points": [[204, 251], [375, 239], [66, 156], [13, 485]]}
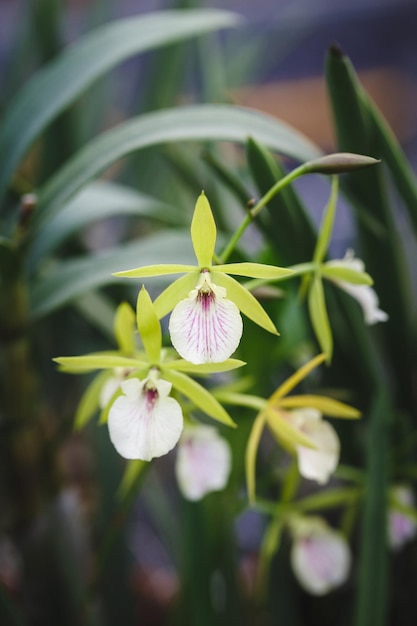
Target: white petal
{"points": [[112, 384], [349, 261], [401, 528], [367, 299], [321, 560], [203, 462], [206, 327], [319, 463], [144, 424]]}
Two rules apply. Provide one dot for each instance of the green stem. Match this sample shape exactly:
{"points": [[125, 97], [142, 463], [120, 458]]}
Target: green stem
{"points": [[253, 213]]}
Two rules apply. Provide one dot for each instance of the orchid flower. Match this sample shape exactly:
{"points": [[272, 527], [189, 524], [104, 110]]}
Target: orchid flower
{"points": [[320, 556], [402, 527], [144, 422], [203, 462], [205, 324], [344, 273]]}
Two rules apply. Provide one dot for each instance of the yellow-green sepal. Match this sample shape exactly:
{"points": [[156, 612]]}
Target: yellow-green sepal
{"points": [[176, 291], [318, 316], [96, 361], [254, 270], [291, 382], [326, 226], [327, 406], [155, 270], [202, 398], [203, 232], [251, 453], [180, 365], [245, 301], [90, 400], [345, 274], [149, 326], [124, 326]]}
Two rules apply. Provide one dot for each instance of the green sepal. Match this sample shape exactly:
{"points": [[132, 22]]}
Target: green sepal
{"points": [[155, 270], [180, 365], [245, 301], [203, 232], [149, 326], [250, 455], [254, 270], [345, 274], [319, 317], [285, 432], [89, 403], [176, 291], [326, 226], [202, 398], [327, 406], [124, 326], [96, 361]]}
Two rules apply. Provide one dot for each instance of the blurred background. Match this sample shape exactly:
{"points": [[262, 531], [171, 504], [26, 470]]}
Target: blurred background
{"points": [[274, 63]]}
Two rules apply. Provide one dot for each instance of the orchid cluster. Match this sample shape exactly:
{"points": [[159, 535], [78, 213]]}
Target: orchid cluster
{"points": [[148, 393]]}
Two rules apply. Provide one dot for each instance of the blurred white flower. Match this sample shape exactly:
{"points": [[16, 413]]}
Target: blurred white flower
{"points": [[203, 462], [401, 528], [320, 462], [320, 556], [364, 294], [206, 327], [112, 385], [144, 422]]}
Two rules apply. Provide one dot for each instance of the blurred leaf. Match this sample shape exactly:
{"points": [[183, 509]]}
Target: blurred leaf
{"points": [[192, 123], [133, 471], [52, 89], [64, 281], [100, 200], [372, 594]]}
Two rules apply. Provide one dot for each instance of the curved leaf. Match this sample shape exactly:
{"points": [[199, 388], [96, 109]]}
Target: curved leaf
{"points": [[192, 123], [56, 86], [65, 281], [100, 200]]}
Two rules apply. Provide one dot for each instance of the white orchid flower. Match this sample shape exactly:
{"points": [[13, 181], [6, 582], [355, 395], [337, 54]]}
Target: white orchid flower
{"points": [[364, 294], [319, 462], [205, 324], [144, 422], [320, 556], [203, 462], [401, 527]]}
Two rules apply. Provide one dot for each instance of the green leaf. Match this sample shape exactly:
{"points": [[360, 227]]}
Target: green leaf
{"points": [[345, 274], [254, 270], [326, 226], [148, 326], [64, 281], [245, 301], [124, 325], [327, 406], [56, 86], [176, 291], [100, 200], [90, 400], [203, 232], [202, 398], [192, 123], [95, 361], [181, 365], [319, 318]]}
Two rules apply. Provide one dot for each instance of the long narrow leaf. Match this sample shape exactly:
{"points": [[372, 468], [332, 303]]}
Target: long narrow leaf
{"points": [[56, 86]]}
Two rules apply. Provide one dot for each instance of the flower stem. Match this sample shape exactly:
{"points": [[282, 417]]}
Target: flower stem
{"points": [[254, 211]]}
